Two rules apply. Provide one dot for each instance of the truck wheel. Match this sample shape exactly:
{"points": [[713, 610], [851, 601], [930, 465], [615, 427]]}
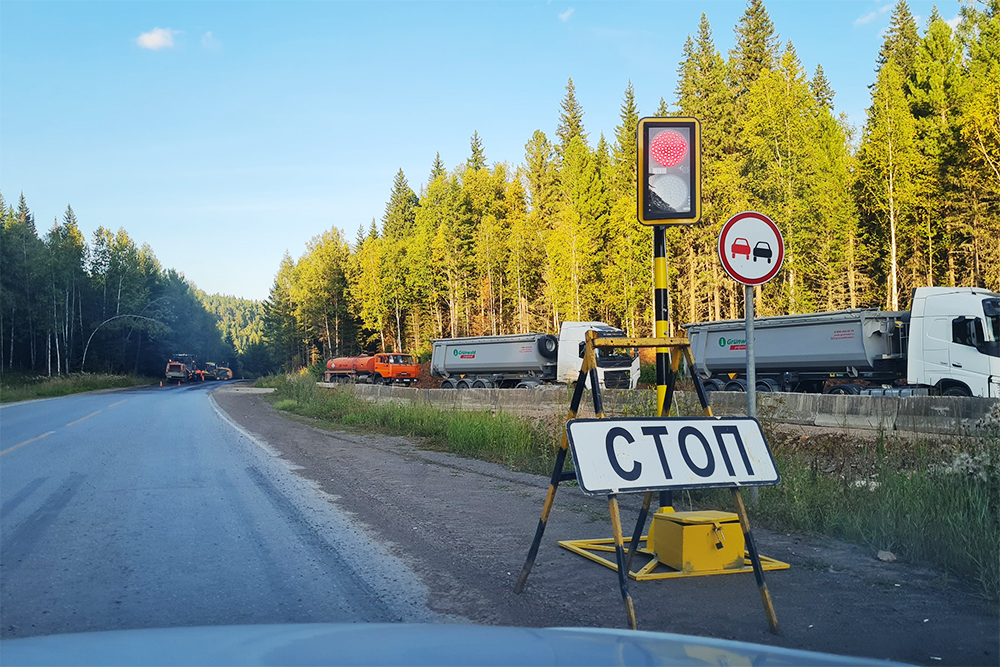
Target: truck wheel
{"points": [[711, 385], [767, 386], [956, 390], [377, 378], [447, 384], [845, 390], [462, 384], [548, 346], [736, 385]]}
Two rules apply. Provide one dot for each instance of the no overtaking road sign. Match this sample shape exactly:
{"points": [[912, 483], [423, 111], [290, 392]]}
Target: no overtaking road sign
{"points": [[636, 455], [751, 248]]}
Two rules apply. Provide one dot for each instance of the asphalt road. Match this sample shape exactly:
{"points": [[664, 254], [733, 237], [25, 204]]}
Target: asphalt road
{"points": [[148, 508]]}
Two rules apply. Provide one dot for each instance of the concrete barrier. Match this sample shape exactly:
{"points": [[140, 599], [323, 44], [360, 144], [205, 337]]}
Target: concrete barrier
{"points": [[943, 415]]}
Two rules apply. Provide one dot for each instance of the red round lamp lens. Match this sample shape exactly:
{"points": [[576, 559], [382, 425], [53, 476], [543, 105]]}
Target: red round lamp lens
{"points": [[669, 148]]}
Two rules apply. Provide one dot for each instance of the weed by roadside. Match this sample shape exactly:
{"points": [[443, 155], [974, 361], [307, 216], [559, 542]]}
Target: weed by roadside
{"points": [[15, 388], [521, 444], [932, 501]]}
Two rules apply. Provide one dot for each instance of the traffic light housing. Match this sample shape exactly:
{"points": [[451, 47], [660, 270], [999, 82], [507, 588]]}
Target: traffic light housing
{"points": [[669, 170]]}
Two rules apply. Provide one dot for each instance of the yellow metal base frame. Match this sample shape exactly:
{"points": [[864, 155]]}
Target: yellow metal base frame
{"points": [[586, 548]]}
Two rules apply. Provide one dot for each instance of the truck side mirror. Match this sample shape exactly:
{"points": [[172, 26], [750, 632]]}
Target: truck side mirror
{"points": [[583, 348]]}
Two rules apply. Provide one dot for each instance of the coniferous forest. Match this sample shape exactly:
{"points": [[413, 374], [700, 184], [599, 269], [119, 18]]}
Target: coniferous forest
{"points": [[911, 198], [108, 306]]}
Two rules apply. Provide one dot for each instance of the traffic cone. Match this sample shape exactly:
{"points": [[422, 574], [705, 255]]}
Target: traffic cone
{"points": [[161, 383], [178, 383]]}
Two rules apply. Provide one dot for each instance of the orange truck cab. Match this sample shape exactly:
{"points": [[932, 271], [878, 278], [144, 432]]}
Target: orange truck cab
{"points": [[383, 368]]}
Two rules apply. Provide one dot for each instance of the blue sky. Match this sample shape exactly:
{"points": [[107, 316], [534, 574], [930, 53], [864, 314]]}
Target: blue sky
{"points": [[239, 130]]}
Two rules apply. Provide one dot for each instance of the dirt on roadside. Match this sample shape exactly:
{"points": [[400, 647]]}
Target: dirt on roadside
{"points": [[464, 527]]}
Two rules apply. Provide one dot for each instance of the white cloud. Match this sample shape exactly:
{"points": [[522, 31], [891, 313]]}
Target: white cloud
{"points": [[867, 18], [566, 14], [954, 22], [157, 38], [210, 43]]}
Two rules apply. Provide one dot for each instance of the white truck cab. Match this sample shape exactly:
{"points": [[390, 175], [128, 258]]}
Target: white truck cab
{"points": [[617, 369], [954, 341]]}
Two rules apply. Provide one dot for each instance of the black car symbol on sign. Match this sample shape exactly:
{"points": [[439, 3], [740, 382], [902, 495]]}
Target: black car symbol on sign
{"points": [[762, 249]]}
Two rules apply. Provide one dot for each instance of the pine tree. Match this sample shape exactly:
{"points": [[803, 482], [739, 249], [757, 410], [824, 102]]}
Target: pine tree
{"points": [[901, 40], [477, 158], [623, 154], [437, 169], [980, 136], [570, 120], [821, 89], [399, 210], [540, 170], [935, 97], [756, 46]]}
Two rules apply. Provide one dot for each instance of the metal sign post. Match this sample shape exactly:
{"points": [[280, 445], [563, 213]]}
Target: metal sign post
{"points": [[752, 251]]}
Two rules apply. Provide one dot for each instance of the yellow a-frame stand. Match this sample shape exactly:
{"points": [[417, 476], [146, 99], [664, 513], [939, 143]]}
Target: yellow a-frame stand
{"points": [[678, 347]]}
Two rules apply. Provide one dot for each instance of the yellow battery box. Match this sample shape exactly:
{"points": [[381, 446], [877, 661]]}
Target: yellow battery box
{"points": [[697, 541]]}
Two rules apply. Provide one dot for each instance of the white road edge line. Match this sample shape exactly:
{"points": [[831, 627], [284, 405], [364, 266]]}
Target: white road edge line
{"points": [[242, 431]]}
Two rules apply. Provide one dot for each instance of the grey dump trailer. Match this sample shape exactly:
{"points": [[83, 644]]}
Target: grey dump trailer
{"points": [[803, 352], [530, 360], [948, 343], [521, 360]]}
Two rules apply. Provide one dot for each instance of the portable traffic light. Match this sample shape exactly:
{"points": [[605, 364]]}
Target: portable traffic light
{"points": [[669, 153]]}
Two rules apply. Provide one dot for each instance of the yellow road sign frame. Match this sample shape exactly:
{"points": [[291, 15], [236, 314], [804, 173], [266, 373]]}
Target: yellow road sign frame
{"points": [[648, 572]]}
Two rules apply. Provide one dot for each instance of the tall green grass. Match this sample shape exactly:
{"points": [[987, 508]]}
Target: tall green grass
{"points": [[924, 503], [14, 387], [521, 444]]}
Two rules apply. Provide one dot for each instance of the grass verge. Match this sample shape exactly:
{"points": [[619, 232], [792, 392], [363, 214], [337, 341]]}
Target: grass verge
{"points": [[15, 388], [521, 444]]}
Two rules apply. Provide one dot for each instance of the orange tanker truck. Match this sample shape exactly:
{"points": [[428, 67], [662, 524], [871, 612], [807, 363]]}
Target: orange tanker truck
{"points": [[386, 368]]}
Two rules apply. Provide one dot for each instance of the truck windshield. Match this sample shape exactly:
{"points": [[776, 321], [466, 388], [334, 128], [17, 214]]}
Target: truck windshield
{"points": [[400, 359], [613, 358]]}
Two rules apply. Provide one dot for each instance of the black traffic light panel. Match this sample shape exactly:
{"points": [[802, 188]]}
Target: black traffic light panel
{"points": [[669, 154]]}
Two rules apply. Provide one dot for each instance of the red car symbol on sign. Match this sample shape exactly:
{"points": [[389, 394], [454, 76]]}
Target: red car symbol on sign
{"points": [[741, 247]]}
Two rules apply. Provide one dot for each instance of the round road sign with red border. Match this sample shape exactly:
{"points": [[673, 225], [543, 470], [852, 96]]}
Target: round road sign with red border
{"points": [[751, 248]]}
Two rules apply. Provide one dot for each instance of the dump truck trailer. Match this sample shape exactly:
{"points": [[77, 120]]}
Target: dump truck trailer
{"points": [[948, 344], [525, 361]]}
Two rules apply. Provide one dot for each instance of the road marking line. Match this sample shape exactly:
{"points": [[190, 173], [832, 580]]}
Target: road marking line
{"points": [[77, 421], [118, 403], [27, 442]]}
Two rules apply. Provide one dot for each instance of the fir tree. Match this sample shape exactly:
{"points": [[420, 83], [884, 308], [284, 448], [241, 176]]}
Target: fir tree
{"points": [[756, 46], [900, 41], [623, 155], [399, 210], [570, 120], [477, 158], [821, 89], [437, 169]]}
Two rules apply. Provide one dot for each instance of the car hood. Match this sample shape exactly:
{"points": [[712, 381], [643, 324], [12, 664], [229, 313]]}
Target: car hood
{"points": [[396, 644]]}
